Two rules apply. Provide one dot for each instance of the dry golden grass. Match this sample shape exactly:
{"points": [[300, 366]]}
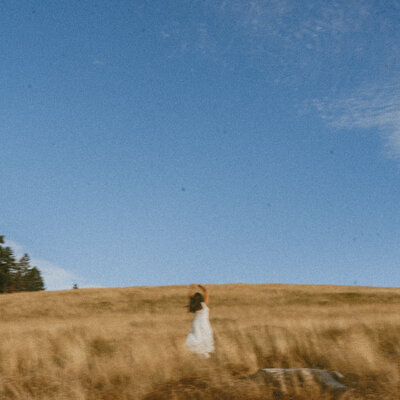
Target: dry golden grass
{"points": [[128, 343]]}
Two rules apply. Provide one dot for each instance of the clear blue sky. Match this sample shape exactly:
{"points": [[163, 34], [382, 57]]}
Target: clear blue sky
{"points": [[171, 142]]}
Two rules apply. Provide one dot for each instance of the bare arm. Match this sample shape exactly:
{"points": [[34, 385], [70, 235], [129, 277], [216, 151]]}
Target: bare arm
{"points": [[192, 290], [206, 294]]}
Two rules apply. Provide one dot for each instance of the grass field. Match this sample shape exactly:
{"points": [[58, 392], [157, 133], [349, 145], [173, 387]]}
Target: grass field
{"points": [[128, 343]]}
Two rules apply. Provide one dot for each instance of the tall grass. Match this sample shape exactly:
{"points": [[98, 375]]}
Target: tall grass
{"points": [[128, 343]]}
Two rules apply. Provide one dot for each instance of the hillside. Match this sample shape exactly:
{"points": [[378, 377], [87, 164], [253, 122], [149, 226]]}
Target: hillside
{"points": [[128, 343]]}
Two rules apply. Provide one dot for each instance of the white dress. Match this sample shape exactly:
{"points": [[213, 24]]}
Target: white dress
{"points": [[200, 340]]}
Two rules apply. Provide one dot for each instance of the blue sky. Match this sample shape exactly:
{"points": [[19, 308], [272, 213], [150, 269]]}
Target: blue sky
{"points": [[171, 142]]}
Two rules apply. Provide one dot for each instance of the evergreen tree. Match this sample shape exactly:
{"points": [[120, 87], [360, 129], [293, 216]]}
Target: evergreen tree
{"points": [[33, 280], [17, 276], [7, 261], [18, 272]]}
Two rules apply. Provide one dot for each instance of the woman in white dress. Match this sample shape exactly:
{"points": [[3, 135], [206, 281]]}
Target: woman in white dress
{"points": [[200, 340]]}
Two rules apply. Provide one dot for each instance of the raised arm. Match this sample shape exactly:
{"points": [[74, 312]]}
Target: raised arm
{"points": [[206, 294], [192, 290]]}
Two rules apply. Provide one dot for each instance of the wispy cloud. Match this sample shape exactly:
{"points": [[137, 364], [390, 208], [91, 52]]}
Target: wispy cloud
{"points": [[282, 30], [299, 30], [55, 277], [373, 107], [17, 249]]}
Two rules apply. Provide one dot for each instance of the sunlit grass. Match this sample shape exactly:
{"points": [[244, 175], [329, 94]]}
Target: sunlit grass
{"points": [[128, 343]]}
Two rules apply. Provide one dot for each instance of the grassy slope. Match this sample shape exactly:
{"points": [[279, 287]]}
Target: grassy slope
{"points": [[128, 343]]}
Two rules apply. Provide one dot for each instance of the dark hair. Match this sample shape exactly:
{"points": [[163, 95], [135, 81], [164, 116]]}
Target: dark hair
{"points": [[195, 302]]}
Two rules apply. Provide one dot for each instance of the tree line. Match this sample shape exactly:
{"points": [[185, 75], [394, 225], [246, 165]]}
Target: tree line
{"points": [[17, 275]]}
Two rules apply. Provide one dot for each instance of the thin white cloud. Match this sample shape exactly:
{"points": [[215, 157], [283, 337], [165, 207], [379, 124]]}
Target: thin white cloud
{"points": [[373, 107], [289, 33], [55, 277], [289, 22], [17, 249]]}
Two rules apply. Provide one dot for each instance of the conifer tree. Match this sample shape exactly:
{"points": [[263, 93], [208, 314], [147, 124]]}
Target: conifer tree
{"points": [[17, 272], [33, 280], [7, 261], [17, 276]]}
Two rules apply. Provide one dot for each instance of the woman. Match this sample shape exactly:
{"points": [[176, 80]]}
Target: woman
{"points": [[200, 339]]}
